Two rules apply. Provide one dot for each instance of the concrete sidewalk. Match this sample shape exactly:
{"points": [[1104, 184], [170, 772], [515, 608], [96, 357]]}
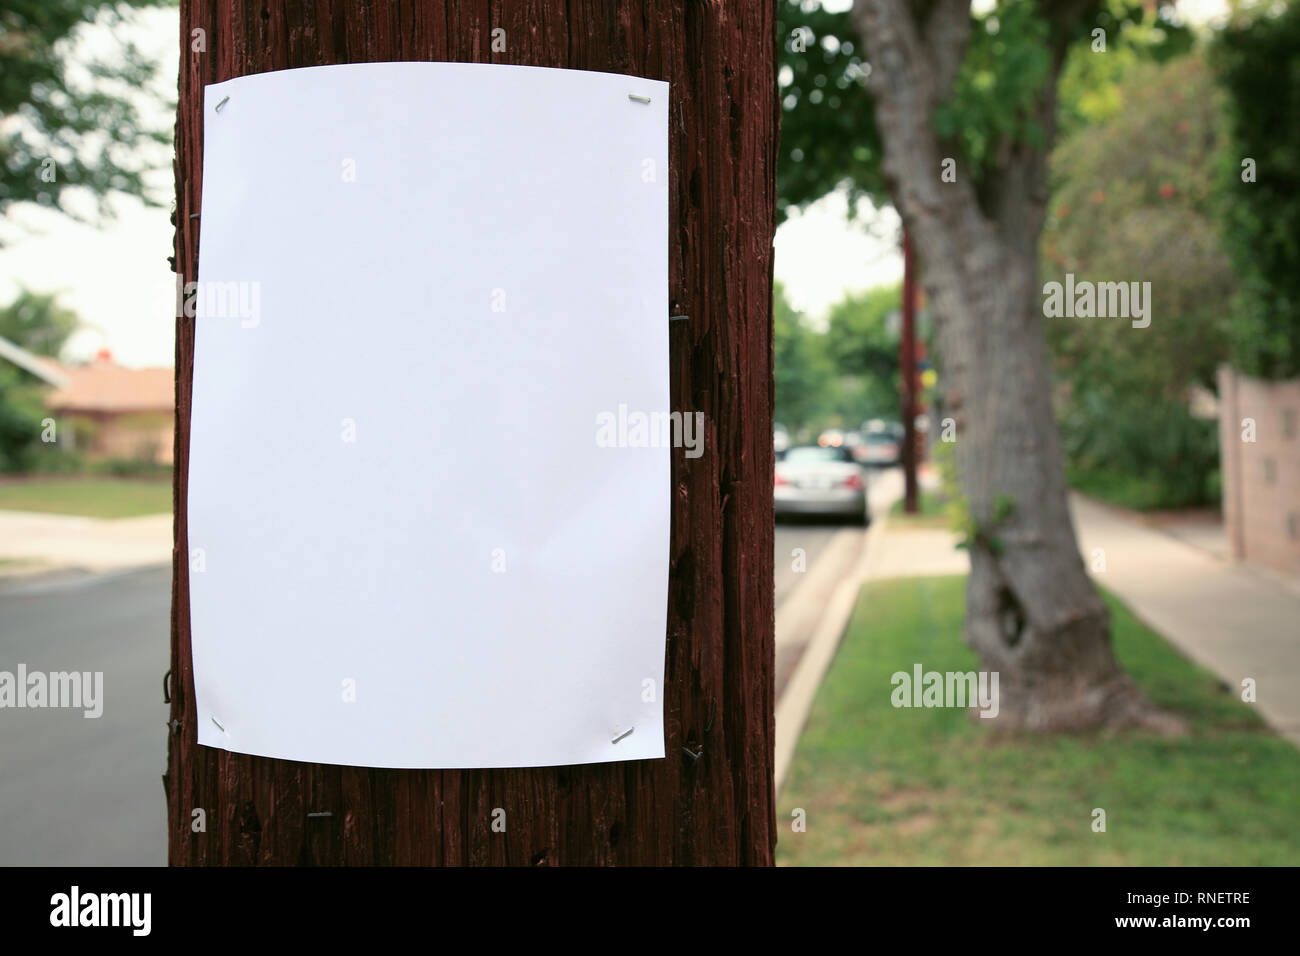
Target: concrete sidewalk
{"points": [[1223, 615], [1228, 618], [45, 542]]}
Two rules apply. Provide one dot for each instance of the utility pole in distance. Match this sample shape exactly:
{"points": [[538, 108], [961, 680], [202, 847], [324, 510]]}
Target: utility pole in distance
{"points": [[907, 367], [710, 801]]}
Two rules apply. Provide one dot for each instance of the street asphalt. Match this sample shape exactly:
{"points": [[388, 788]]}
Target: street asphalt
{"points": [[812, 538], [79, 791]]}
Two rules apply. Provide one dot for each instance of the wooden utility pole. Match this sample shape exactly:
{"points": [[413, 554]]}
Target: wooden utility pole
{"points": [[710, 801], [907, 366]]}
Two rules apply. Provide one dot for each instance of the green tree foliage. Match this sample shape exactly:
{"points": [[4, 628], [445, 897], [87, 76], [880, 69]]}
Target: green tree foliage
{"points": [[1259, 65], [21, 412], [1007, 64], [71, 124], [865, 351], [37, 322], [840, 376], [1089, 89], [828, 127], [804, 376], [1133, 201]]}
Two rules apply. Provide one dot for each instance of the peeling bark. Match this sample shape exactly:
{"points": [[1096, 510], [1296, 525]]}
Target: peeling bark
{"points": [[714, 805]]}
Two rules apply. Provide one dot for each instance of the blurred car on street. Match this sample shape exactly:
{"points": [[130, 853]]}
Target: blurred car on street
{"points": [[880, 450], [883, 426], [780, 439], [818, 480]]}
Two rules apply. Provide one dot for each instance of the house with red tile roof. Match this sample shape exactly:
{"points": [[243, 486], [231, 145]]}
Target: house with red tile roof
{"points": [[105, 409]]}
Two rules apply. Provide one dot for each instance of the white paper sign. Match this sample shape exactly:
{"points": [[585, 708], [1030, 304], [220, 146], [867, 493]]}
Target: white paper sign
{"points": [[421, 285]]}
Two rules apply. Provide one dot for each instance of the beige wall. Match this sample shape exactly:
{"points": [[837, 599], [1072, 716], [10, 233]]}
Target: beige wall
{"points": [[1261, 479], [127, 436]]}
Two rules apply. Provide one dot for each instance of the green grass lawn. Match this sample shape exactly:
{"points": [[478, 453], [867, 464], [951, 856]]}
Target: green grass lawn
{"points": [[886, 786], [933, 512], [95, 497]]}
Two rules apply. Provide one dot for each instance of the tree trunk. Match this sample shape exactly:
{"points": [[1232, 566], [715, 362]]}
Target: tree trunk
{"points": [[1032, 613], [710, 801]]}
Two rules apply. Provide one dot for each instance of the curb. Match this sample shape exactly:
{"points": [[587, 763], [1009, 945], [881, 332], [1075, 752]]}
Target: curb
{"points": [[796, 702]]}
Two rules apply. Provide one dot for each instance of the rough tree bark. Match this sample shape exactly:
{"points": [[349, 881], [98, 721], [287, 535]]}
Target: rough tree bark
{"points": [[710, 801], [1032, 613]]}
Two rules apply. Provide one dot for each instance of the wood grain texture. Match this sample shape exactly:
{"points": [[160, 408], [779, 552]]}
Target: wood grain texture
{"points": [[717, 809]]}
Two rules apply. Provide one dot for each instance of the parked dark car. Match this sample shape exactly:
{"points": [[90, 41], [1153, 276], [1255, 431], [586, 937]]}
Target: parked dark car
{"points": [[880, 450]]}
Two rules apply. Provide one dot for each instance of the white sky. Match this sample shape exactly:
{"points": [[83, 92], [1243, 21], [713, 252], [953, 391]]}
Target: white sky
{"points": [[117, 278]]}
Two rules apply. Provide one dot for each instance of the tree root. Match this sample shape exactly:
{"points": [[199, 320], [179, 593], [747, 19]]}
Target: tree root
{"points": [[1059, 707]]}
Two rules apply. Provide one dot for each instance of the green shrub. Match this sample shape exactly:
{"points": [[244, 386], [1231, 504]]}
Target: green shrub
{"points": [[1138, 451], [1258, 57], [130, 468], [55, 460], [20, 421]]}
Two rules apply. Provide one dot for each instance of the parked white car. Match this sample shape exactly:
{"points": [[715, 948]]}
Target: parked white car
{"points": [[817, 480]]}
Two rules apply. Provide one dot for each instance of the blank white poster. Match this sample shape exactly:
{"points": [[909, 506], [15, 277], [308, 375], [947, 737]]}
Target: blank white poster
{"points": [[422, 289]]}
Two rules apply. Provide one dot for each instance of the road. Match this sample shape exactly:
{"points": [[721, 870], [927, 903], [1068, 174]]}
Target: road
{"points": [[812, 538], [813, 535], [78, 791]]}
